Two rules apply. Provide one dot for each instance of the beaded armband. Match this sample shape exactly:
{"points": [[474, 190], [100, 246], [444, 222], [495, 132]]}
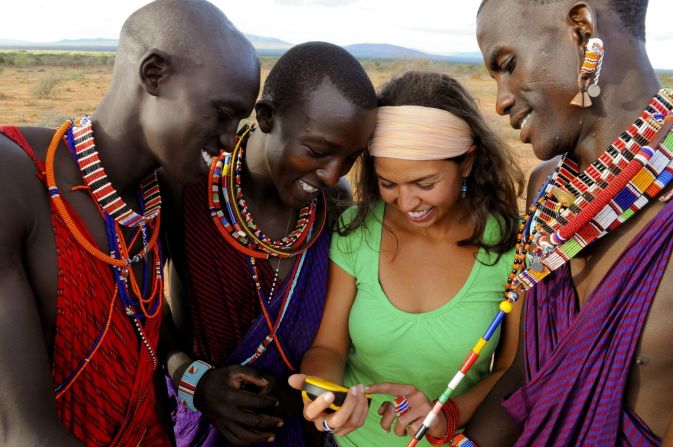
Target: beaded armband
{"points": [[188, 382], [460, 440], [452, 415]]}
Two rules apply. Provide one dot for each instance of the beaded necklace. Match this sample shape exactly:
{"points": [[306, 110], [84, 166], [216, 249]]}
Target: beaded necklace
{"points": [[237, 225], [238, 228], [79, 139], [562, 221]]}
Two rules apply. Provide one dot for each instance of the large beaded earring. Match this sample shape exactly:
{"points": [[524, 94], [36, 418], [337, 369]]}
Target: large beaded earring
{"points": [[587, 79]]}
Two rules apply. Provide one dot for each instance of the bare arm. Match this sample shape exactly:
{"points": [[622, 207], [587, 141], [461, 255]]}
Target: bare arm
{"points": [[27, 403], [327, 356]]}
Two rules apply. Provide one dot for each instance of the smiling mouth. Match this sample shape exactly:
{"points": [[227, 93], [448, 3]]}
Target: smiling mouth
{"points": [[522, 122], [418, 214], [308, 188]]}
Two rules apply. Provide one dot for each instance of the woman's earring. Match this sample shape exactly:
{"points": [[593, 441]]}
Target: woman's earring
{"points": [[587, 79], [463, 188]]}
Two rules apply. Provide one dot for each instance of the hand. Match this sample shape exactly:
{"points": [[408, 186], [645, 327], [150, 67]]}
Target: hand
{"points": [[233, 399], [411, 421], [289, 400], [350, 416]]}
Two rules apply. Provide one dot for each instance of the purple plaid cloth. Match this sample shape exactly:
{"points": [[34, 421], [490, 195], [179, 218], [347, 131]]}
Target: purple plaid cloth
{"points": [[296, 333], [578, 360]]}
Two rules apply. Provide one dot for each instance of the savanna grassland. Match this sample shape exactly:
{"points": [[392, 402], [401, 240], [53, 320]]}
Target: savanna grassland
{"points": [[45, 87]]}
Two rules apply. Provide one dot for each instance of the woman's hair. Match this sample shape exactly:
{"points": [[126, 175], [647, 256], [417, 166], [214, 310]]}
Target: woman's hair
{"points": [[495, 181]]}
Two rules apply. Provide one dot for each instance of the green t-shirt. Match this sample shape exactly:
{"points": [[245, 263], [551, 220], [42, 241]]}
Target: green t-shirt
{"points": [[426, 349]]}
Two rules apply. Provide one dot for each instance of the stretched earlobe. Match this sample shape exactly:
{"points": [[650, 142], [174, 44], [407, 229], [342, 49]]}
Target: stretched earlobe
{"points": [[155, 67], [264, 114], [582, 18]]}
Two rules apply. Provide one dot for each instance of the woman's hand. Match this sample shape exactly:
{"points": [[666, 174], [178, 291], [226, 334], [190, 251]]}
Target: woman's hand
{"points": [[349, 417], [409, 422]]}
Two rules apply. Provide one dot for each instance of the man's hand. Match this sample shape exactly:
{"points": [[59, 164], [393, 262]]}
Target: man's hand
{"points": [[227, 397]]}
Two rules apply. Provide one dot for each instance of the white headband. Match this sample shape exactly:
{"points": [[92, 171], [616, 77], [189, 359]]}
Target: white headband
{"points": [[419, 133]]}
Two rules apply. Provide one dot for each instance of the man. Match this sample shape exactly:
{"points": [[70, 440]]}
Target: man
{"points": [[249, 244], [80, 269], [595, 368]]}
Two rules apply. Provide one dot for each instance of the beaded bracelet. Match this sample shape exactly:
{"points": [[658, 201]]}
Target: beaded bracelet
{"points": [[460, 440], [452, 414], [188, 382]]}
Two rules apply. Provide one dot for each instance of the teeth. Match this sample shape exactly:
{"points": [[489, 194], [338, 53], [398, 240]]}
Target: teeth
{"points": [[417, 214], [206, 157], [307, 188], [524, 121]]}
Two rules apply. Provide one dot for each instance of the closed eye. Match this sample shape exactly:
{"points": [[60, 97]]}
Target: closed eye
{"points": [[426, 186]]}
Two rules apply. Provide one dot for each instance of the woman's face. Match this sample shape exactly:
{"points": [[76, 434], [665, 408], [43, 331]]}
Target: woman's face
{"points": [[424, 192]]}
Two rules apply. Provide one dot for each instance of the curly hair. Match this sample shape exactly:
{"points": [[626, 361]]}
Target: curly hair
{"points": [[631, 13], [495, 181]]}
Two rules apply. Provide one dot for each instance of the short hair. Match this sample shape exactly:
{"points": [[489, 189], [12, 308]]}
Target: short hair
{"points": [[631, 13], [301, 69]]}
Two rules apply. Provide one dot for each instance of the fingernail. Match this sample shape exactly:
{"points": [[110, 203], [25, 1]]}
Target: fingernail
{"points": [[354, 390], [271, 439], [329, 397], [361, 387], [280, 424]]}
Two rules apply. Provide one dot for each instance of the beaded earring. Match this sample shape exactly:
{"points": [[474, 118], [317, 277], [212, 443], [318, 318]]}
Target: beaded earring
{"points": [[587, 79], [463, 188]]}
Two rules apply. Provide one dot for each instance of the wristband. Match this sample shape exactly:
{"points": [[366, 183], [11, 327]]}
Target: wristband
{"points": [[460, 440], [452, 415], [188, 382]]}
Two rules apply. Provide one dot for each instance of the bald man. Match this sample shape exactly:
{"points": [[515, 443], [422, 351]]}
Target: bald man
{"points": [[80, 268]]}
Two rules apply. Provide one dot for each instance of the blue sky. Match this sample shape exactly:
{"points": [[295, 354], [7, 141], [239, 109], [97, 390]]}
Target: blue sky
{"points": [[436, 26]]}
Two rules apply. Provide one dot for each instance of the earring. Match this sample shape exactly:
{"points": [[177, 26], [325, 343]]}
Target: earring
{"points": [[587, 79], [463, 188]]}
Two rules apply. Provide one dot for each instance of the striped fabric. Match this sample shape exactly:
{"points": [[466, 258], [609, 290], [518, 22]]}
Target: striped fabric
{"points": [[578, 360], [226, 318], [112, 402]]}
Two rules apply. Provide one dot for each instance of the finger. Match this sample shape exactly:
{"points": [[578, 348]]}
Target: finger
{"points": [[406, 422], [296, 381], [238, 435], [247, 376], [256, 421], [339, 418], [390, 388], [252, 401], [361, 408], [387, 416], [318, 406]]}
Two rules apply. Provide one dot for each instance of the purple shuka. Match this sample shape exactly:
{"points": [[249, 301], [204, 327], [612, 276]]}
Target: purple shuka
{"points": [[296, 333], [577, 360]]}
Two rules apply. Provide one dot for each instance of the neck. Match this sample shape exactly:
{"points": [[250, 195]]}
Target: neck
{"points": [[257, 181], [121, 148], [624, 96]]}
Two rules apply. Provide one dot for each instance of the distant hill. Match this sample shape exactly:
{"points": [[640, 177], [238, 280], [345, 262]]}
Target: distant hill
{"points": [[265, 46]]}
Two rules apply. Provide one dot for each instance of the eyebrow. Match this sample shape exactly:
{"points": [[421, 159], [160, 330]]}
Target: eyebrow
{"points": [[420, 179], [493, 58]]}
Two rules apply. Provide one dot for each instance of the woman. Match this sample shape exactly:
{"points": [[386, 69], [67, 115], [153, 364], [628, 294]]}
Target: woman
{"points": [[418, 268]]}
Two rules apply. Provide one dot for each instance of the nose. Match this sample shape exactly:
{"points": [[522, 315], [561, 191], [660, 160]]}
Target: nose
{"points": [[330, 173], [227, 135], [407, 200], [505, 99]]}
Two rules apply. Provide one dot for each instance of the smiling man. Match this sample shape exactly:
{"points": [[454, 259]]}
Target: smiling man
{"points": [[250, 245], [595, 368]]}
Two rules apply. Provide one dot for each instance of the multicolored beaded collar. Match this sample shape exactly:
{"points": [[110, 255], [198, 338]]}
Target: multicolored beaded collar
{"points": [[574, 209], [237, 225], [146, 301]]}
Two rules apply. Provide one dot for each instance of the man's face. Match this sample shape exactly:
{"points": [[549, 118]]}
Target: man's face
{"points": [[531, 52], [199, 110], [315, 142]]}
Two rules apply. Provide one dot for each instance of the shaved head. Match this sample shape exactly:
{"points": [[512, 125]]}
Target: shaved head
{"points": [[190, 31]]}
